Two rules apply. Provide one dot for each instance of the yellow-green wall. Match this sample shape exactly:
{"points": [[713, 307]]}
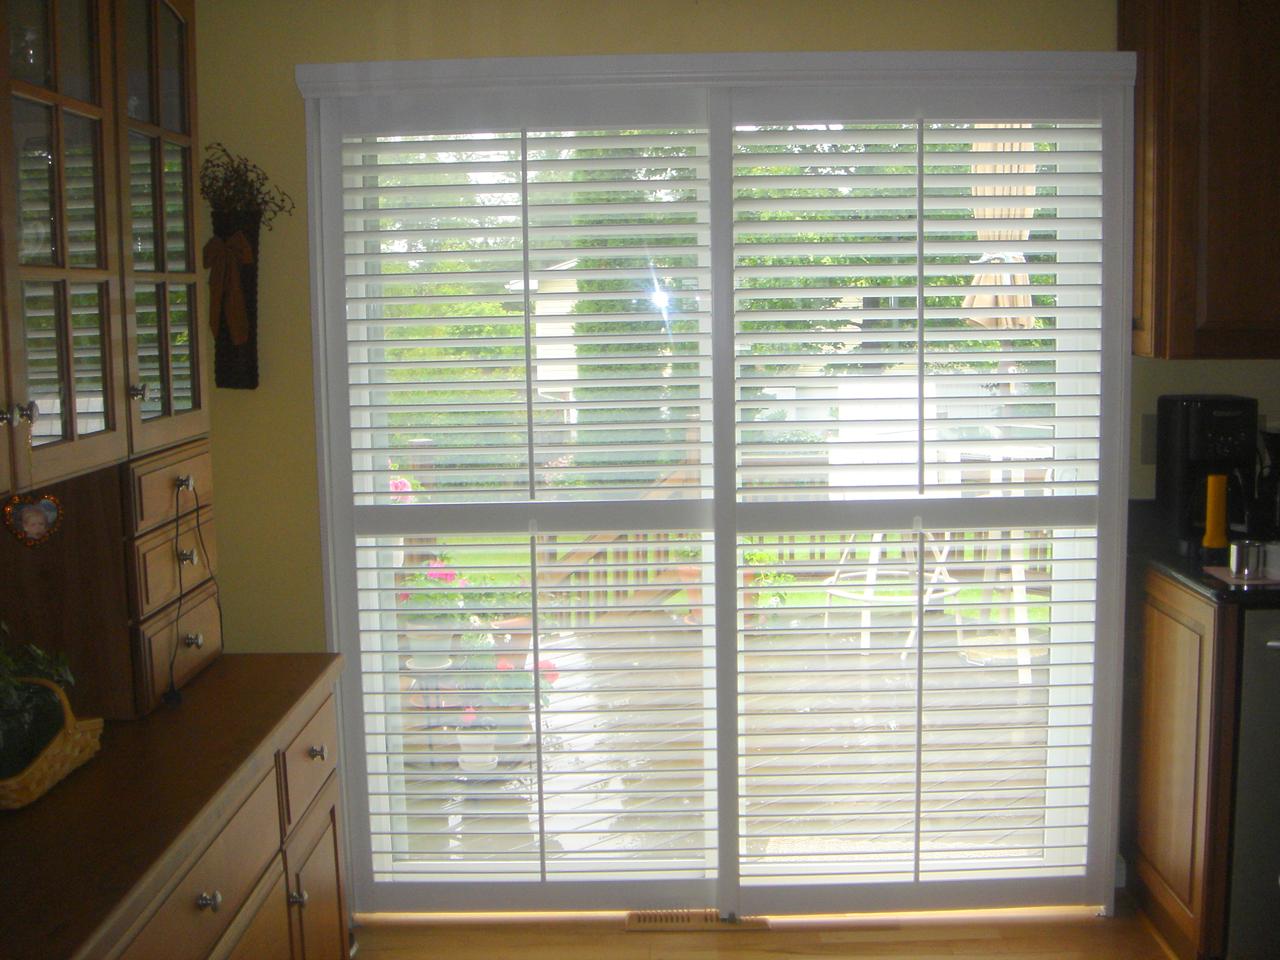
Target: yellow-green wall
{"points": [[264, 440]]}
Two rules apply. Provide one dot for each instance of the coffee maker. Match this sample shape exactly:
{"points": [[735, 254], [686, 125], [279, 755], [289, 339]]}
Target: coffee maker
{"points": [[1197, 435]]}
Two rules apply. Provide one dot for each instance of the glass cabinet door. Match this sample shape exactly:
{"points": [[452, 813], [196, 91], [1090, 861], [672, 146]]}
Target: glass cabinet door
{"points": [[65, 398], [168, 390]]}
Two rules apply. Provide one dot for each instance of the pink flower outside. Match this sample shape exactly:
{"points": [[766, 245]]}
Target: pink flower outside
{"points": [[548, 670], [436, 570], [401, 485], [468, 716]]}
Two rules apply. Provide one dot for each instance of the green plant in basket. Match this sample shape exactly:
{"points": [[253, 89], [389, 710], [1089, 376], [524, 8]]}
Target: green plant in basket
{"points": [[30, 714]]}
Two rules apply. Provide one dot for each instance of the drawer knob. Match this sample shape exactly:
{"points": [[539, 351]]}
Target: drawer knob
{"points": [[318, 753], [194, 640], [187, 556], [299, 899], [183, 482], [207, 901]]}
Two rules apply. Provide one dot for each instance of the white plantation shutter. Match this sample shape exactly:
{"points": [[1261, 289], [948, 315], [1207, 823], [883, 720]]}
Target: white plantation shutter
{"points": [[569, 738], [901, 326], [925, 710], [528, 315], [721, 478]]}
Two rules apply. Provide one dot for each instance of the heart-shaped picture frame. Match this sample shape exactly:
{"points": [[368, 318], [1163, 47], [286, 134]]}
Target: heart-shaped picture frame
{"points": [[33, 519]]}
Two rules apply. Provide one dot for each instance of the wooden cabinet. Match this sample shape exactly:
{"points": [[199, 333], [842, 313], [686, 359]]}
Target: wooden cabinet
{"points": [[96, 235], [1207, 196], [155, 103], [314, 862], [174, 839], [1185, 737], [264, 931], [60, 252], [125, 589]]}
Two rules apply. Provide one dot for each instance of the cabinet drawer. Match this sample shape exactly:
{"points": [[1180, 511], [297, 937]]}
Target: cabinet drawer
{"points": [[154, 493], [197, 634], [165, 560], [309, 760], [221, 879]]}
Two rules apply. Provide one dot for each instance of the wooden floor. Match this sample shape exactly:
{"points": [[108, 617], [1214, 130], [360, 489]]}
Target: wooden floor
{"points": [[1005, 937]]}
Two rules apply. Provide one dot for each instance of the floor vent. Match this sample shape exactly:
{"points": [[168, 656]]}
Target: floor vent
{"points": [[690, 920]]}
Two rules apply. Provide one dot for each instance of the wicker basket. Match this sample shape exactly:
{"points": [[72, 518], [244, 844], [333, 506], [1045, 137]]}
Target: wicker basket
{"points": [[76, 742]]}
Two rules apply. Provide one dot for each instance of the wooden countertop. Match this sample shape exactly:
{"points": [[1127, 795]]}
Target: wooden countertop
{"points": [[78, 865]]}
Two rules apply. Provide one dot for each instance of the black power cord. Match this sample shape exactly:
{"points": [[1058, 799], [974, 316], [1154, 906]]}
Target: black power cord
{"points": [[172, 696]]}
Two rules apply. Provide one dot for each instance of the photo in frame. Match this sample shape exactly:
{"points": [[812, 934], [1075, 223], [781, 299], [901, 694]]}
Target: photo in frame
{"points": [[33, 519]]}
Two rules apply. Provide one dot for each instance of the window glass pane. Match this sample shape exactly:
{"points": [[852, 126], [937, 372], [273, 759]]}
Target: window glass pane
{"points": [[76, 60], [149, 347], [436, 332], [173, 81], [583, 745], [619, 268], [825, 231], [1013, 309], [142, 201], [89, 360], [137, 54], [175, 208], [181, 356], [616, 388], [33, 146], [80, 147], [915, 705], [29, 45], [44, 350]]}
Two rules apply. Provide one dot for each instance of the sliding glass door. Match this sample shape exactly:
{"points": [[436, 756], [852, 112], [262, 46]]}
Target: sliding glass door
{"points": [[721, 490]]}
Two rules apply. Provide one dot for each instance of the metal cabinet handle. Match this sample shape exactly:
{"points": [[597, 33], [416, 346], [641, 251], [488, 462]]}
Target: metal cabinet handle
{"points": [[187, 556], [28, 412], [1273, 644], [299, 899], [209, 901], [318, 753], [193, 640]]}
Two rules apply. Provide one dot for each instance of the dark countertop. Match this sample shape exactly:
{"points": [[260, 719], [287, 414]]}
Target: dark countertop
{"points": [[1149, 545], [77, 865]]}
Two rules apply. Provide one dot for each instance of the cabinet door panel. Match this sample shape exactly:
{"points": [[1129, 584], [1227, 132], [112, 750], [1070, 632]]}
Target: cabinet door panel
{"points": [[267, 935], [168, 378], [314, 861], [322, 937], [59, 243], [1172, 657]]}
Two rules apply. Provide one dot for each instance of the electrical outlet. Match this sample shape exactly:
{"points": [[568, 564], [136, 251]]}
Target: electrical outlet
{"points": [[1147, 440]]}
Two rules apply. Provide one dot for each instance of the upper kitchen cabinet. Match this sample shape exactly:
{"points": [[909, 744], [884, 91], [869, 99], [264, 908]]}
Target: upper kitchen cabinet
{"points": [[62, 304], [168, 385], [1205, 240]]}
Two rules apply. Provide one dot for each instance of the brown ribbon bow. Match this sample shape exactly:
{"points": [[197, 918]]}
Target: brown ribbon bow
{"points": [[224, 258]]}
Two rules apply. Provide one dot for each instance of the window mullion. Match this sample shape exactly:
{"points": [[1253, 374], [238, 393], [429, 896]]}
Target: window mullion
{"points": [[921, 419], [724, 465], [528, 316]]}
